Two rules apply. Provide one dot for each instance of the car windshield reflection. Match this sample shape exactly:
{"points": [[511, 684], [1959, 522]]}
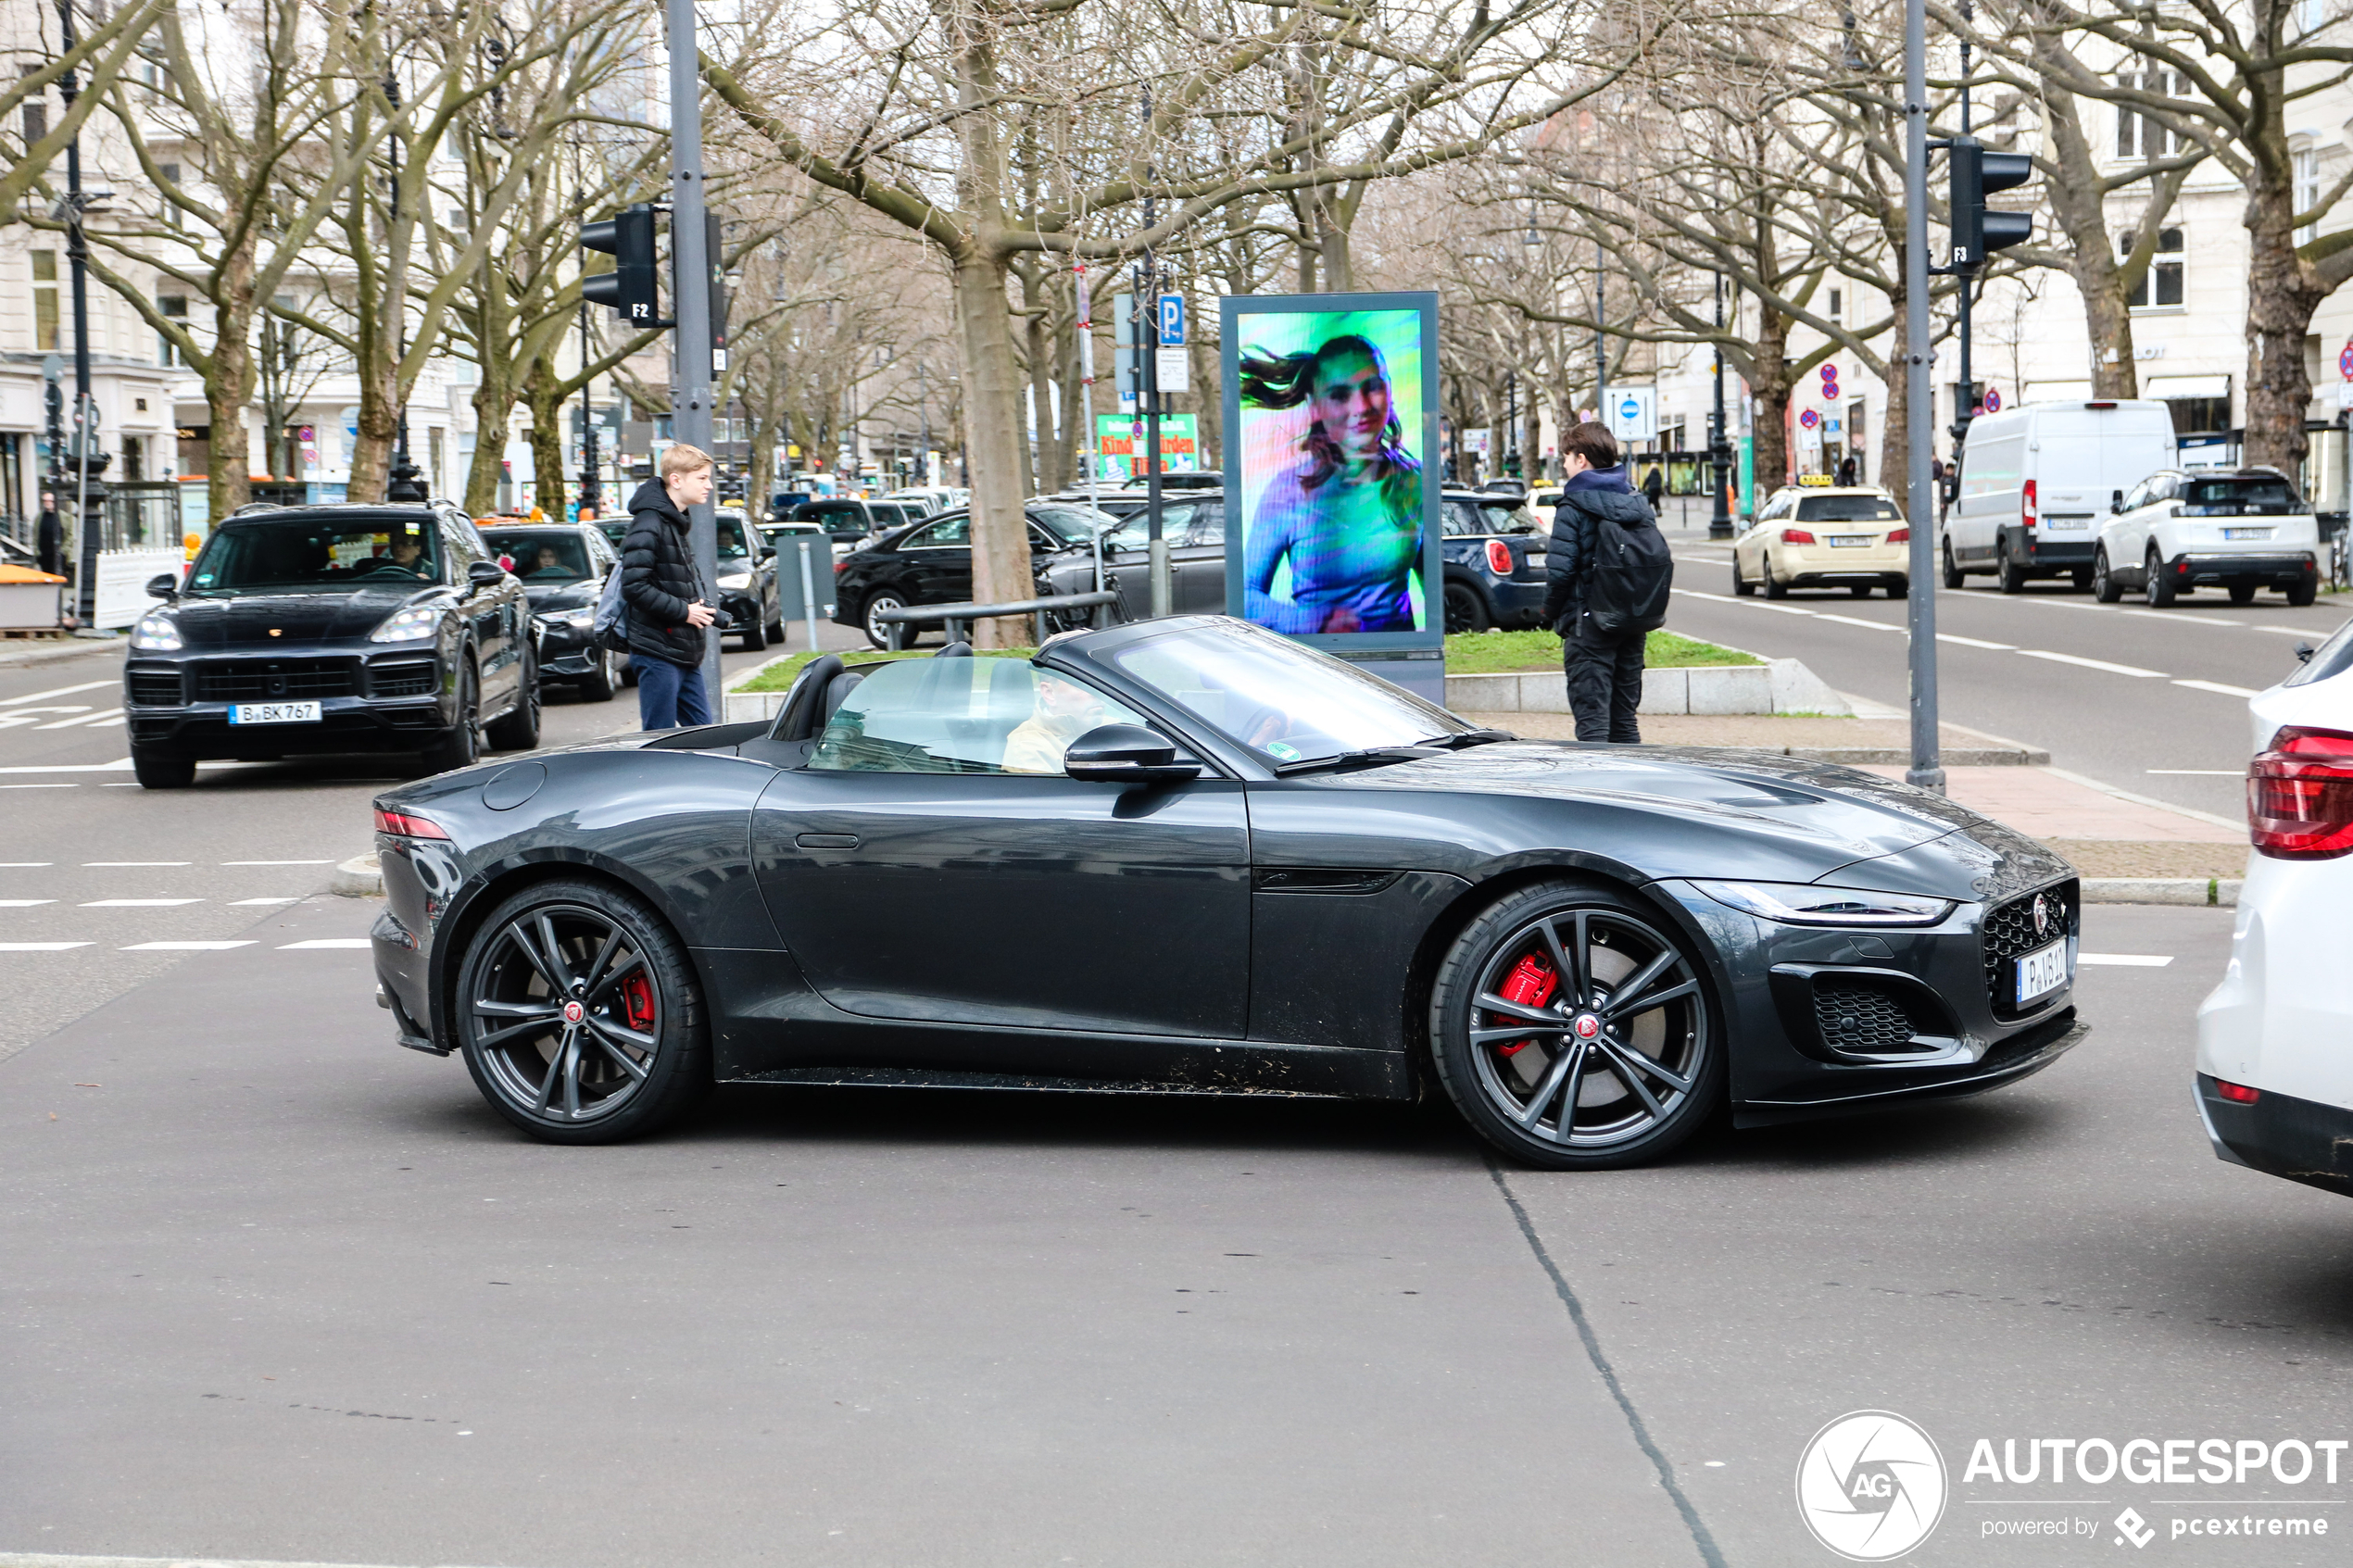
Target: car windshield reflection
{"points": [[1286, 701], [308, 554], [541, 555]]}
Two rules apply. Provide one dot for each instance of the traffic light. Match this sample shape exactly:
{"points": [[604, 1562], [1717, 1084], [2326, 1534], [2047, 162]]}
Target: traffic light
{"points": [[714, 250], [1976, 174], [629, 288]]}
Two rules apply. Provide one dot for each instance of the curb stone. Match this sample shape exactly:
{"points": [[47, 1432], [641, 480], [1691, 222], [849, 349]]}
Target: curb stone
{"points": [[28, 656], [2207, 891], [359, 877]]}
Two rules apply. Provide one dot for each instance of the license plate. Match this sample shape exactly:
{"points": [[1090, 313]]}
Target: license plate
{"points": [[2042, 971], [1535, 559], [1848, 540], [2246, 533], [2066, 525], [275, 713]]}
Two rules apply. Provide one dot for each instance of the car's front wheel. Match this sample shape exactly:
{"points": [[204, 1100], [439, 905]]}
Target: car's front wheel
{"points": [[518, 729], [158, 768], [1741, 584], [2104, 587], [599, 686], [1572, 1030], [461, 746], [578, 1014], [877, 633], [755, 635]]}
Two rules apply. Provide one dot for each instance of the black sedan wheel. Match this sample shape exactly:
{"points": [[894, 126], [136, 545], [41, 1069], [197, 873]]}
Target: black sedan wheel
{"points": [[598, 685], [1466, 611], [518, 729], [157, 769], [579, 1016], [1573, 1032], [878, 633], [461, 748]]}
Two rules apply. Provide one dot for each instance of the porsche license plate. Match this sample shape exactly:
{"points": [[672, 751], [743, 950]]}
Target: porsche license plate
{"points": [[273, 713], [1848, 540], [2042, 971]]}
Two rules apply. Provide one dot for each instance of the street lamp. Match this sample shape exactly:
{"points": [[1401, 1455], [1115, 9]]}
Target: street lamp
{"points": [[1719, 445], [406, 483], [88, 462]]}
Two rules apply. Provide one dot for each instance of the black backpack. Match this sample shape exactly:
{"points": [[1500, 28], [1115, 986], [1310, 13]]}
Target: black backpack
{"points": [[1626, 587]]}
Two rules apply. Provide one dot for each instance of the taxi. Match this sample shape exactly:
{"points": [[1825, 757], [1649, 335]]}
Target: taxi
{"points": [[1821, 535]]}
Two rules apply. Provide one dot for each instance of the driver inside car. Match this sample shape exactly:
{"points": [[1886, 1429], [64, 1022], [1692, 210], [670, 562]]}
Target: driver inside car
{"points": [[406, 549], [1065, 711]]}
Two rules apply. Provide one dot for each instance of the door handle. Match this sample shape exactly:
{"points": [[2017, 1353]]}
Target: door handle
{"points": [[827, 840]]}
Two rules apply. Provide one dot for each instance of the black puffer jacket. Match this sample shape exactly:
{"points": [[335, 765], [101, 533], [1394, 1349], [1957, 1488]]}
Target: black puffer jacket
{"points": [[1589, 499], [658, 579]]}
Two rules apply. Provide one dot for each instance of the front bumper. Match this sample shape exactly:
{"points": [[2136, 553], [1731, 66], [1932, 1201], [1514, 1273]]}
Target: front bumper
{"points": [[395, 700], [565, 654], [2300, 1140]]}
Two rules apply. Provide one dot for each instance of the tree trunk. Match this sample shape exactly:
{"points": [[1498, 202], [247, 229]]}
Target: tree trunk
{"points": [[494, 399], [228, 384], [2281, 297], [1768, 386], [993, 399], [546, 438], [1895, 425], [379, 406]]}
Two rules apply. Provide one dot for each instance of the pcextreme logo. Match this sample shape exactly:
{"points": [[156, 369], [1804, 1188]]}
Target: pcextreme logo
{"points": [[1871, 1486]]}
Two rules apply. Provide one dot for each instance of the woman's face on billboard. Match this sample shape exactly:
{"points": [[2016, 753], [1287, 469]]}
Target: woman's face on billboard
{"points": [[1351, 403]]}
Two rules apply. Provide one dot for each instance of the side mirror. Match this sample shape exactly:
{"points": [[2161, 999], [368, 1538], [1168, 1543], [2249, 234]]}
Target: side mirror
{"points": [[485, 573], [2116, 500], [2303, 653], [1126, 754], [164, 585]]}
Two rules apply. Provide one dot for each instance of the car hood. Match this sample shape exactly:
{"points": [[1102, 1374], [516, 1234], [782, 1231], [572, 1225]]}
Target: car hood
{"points": [[327, 617], [546, 598], [1822, 815]]}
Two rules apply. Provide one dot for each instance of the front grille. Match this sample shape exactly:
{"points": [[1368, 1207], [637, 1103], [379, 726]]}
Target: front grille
{"points": [[154, 688], [2010, 932], [269, 680], [403, 677], [1863, 1018]]}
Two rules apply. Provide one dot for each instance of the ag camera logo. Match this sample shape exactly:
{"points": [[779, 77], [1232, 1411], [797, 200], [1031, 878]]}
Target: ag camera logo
{"points": [[1871, 1486]]}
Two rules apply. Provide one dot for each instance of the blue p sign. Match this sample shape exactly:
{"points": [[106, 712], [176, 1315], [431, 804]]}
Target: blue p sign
{"points": [[1172, 320]]}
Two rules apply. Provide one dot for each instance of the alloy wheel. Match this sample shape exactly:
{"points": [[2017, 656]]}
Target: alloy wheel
{"points": [[1588, 1028], [565, 1014]]}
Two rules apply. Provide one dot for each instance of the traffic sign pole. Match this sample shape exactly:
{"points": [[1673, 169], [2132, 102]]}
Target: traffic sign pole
{"points": [[1927, 770]]}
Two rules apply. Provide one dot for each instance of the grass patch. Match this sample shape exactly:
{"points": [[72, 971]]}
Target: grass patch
{"points": [[779, 677], [1496, 653]]}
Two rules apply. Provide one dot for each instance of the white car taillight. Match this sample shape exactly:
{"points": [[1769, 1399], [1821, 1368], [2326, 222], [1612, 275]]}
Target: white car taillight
{"points": [[2300, 795]]}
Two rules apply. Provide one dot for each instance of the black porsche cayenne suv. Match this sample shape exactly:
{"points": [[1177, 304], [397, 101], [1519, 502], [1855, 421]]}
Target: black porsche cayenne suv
{"points": [[315, 630]]}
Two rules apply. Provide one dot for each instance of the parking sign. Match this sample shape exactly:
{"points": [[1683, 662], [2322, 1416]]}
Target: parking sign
{"points": [[1172, 320]]}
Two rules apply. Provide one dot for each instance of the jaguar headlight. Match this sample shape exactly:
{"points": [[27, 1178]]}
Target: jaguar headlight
{"points": [[1798, 903], [416, 623], [156, 633]]}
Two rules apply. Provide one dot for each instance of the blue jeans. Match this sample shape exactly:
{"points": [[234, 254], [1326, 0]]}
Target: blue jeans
{"points": [[669, 695]]}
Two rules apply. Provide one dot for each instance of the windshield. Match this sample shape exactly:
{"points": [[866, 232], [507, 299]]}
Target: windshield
{"points": [[541, 555], [2261, 496], [1846, 509], [1291, 703], [294, 554], [1071, 524], [731, 535]]}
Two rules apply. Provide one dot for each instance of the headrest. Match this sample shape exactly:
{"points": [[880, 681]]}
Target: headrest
{"points": [[955, 650], [801, 714], [837, 690]]}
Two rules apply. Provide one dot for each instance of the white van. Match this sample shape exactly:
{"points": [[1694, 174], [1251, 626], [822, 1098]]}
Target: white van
{"points": [[2037, 481]]}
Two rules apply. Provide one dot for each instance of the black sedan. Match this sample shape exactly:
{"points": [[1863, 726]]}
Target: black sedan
{"points": [[563, 567], [308, 629], [1189, 856], [1194, 524], [932, 563]]}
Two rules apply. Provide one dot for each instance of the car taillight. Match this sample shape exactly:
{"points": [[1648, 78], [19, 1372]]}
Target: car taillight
{"points": [[2238, 1094], [1900, 536], [2300, 795], [2026, 504], [1498, 557], [406, 824], [1797, 536], [841, 566]]}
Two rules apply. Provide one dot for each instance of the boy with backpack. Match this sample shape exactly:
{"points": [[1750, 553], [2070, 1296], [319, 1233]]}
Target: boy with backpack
{"points": [[1609, 573]]}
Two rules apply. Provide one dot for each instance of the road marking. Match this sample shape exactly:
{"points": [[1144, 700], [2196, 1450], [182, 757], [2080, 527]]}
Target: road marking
{"points": [[2203, 772], [183, 947], [2094, 664], [248, 903], [87, 864], [1695, 594], [26, 865], [23, 716], [2181, 619], [2217, 687], [23, 903], [1858, 621], [2291, 631], [2126, 960], [277, 862], [1974, 642], [138, 903], [123, 766], [41, 787], [39, 947], [1782, 609], [326, 942], [57, 691], [89, 719]]}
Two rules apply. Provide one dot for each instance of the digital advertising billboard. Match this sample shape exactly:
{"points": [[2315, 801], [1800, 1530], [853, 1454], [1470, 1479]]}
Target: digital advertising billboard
{"points": [[1331, 476]]}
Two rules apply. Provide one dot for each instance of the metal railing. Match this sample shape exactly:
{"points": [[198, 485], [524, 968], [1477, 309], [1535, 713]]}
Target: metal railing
{"points": [[958, 618]]}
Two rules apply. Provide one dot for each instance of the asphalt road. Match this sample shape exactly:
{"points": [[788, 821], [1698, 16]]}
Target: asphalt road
{"points": [[2148, 700], [280, 1290]]}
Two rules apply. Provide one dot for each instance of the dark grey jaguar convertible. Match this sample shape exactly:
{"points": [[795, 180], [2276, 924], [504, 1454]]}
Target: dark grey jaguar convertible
{"points": [[1189, 857]]}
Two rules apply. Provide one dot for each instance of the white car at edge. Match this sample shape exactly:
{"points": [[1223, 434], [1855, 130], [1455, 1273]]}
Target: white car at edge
{"points": [[2275, 1038]]}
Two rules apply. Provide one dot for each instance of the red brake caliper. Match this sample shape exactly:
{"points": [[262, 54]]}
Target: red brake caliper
{"points": [[638, 1003], [1530, 985]]}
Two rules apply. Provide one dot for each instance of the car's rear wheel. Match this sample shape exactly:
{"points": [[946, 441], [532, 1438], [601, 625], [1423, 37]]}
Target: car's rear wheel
{"points": [[578, 1015], [517, 730], [2242, 592], [599, 686], [1900, 589], [2104, 587], [879, 634], [1952, 572], [2012, 576], [1572, 1030], [1774, 587], [157, 769], [1466, 611], [2303, 593], [2154, 582], [1858, 590], [461, 747], [1741, 584]]}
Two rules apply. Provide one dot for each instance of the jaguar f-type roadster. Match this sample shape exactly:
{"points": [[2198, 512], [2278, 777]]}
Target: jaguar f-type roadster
{"points": [[1188, 856]]}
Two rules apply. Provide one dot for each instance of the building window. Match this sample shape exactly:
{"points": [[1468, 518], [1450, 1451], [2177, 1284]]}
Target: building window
{"points": [[2308, 190], [44, 300], [2138, 135], [173, 307], [2160, 286], [36, 111], [1837, 303]]}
